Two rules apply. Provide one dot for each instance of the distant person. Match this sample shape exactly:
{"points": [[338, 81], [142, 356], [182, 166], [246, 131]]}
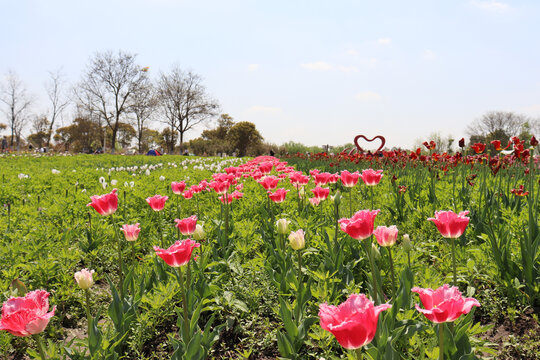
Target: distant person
{"points": [[4, 144], [272, 153]]}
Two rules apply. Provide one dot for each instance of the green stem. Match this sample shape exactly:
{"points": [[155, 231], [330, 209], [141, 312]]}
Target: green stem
{"points": [[133, 259], [454, 260], [120, 262], [392, 271], [441, 341], [40, 346], [371, 188], [160, 228], [299, 296], [409, 259], [184, 306], [358, 353], [350, 202], [88, 316], [369, 251]]}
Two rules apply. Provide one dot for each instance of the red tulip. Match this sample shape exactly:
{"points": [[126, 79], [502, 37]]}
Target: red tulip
{"points": [[497, 145], [444, 304], [220, 187], [360, 226], [461, 142], [157, 202], [178, 187], [229, 198], [105, 204], [533, 141], [386, 236], [349, 179], [354, 322], [266, 167], [478, 147], [322, 178], [131, 232], [520, 191], [188, 194], [371, 177], [178, 254], [187, 225], [269, 182], [25, 316], [237, 195], [321, 193], [450, 224], [278, 196]]}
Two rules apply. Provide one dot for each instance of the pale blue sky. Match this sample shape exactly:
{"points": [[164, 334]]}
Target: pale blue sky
{"points": [[311, 71]]}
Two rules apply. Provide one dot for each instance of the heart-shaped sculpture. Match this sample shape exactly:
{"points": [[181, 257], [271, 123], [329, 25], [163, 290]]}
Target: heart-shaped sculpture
{"points": [[380, 137]]}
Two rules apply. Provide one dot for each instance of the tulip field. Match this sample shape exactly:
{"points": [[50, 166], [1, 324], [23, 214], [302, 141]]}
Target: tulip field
{"points": [[401, 255]]}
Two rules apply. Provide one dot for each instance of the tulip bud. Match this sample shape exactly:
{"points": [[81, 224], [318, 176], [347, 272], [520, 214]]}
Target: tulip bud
{"points": [[302, 193], [296, 240], [199, 233], [337, 198], [282, 226], [376, 253], [84, 278], [407, 245]]}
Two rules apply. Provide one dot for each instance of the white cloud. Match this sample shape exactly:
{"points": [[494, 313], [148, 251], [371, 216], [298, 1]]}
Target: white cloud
{"points": [[492, 6], [263, 109], [367, 96], [324, 66], [384, 41], [347, 69], [318, 66], [253, 67], [429, 55]]}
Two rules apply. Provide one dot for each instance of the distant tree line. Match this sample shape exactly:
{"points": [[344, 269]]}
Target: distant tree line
{"points": [[115, 103]]}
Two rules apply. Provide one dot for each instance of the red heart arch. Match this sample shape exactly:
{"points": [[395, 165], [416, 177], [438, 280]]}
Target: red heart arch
{"points": [[380, 137]]}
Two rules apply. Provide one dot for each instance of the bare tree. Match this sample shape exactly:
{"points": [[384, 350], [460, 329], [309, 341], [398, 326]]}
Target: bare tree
{"points": [[108, 86], [143, 105], [17, 104], [497, 125], [185, 102], [58, 100]]}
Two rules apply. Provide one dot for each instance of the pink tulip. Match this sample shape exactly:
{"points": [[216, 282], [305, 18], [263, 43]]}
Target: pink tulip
{"points": [[228, 197], [188, 194], [322, 178], [105, 204], [220, 187], [278, 196], [237, 194], [187, 225], [314, 201], [157, 202], [371, 177], [178, 254], [25, 316], [349, 179], [178, 187], [131, 232], [269, 182], [266, 167], [321, 193], [354, 322], [450, 224], [360, 226], [444, 304], [298, 179], [386, 236]]}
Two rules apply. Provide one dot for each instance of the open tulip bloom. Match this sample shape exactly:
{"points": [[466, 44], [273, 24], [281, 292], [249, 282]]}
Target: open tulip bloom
{"points": [[187, 225], [360, 226], [452, 226], [28, 315], [105, 204], [444, 304], [157, 202], [354, 322]]}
